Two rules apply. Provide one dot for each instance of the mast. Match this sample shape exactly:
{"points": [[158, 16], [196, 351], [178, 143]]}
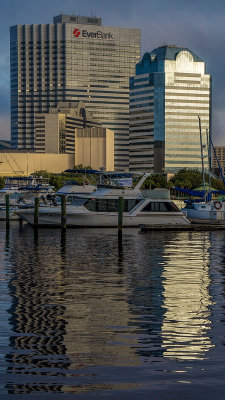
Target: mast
{"points": [[202, 155], [209, 160]]}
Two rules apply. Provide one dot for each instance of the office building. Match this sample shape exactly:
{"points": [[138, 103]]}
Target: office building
{"points": [[218, 160], [167, 95], [73, 59], [55, 130]]}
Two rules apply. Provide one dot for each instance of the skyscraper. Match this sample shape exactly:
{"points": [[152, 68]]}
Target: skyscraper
{"points": [[167, 94], [73, 59]]}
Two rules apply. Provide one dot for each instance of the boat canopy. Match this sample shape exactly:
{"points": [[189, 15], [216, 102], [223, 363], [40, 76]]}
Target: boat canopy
{"points": [[111, 174], [20, 178], [83, 171], [198, 193]]}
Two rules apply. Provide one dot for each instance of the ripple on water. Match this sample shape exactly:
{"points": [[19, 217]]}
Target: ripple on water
{"points": [[80, 304]]}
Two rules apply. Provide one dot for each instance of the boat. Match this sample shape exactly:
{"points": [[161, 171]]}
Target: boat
{"points": [[100, 209], [22, 191], [73, 188], [206, 208], [213, 210]]}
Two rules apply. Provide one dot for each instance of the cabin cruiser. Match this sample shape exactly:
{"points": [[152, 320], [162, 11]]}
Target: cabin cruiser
{"points": [[100, 209]]}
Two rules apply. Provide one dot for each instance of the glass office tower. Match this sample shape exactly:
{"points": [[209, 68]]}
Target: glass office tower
{"points": [[73, 59], [168, 93]]}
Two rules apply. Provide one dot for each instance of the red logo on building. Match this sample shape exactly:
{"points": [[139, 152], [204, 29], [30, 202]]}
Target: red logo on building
{"points": [[76, 32]]}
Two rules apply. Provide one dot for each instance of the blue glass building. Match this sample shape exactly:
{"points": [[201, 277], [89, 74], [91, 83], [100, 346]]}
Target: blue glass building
{"points": [[167, 94]]}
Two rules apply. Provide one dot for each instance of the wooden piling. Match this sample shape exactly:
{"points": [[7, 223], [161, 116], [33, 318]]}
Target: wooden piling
{"points": [[63, 211], [7, 209], [36, 211], [120, 216]]}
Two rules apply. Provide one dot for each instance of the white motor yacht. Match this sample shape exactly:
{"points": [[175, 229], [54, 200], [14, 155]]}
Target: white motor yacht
{"points": [[100, 209]]}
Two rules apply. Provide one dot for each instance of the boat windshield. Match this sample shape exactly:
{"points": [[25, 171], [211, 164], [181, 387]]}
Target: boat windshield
{"points": [[76, 201]]}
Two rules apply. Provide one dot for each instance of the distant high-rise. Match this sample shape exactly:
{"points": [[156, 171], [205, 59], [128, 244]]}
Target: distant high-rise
{"points": [[168, 93], [73, 59]]}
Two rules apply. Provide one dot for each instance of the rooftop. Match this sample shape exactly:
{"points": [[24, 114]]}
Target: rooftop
{"points": [[77, 19], [169, 52]]}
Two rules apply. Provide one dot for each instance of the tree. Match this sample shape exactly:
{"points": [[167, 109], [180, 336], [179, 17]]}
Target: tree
{"points": [[217, 184], [155, 181], [81, 166], [186, 177]]}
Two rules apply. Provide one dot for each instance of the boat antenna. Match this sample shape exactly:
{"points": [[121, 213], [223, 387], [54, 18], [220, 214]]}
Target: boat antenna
{"points": [[202, 155]]}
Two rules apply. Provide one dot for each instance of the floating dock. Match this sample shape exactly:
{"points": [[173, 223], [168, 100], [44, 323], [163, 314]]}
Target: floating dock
{"points": [[195, 225]]}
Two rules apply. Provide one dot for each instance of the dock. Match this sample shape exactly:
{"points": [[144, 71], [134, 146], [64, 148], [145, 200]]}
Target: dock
{"points": [[195, 225]]}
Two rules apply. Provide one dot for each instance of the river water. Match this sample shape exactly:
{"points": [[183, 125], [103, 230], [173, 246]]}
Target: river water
{"points": [[85, 317]]}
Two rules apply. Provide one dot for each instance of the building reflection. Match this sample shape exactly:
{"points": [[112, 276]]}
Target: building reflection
{"points": [[169, 295], [82, 300], [68, 310], [36, 314], [186, 280]]}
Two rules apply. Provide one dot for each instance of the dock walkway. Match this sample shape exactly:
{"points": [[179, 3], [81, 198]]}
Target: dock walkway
{"points": [[196, 225]]}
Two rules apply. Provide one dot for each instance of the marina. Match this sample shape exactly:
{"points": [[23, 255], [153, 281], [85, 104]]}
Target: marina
{"points": [[112, 201]]}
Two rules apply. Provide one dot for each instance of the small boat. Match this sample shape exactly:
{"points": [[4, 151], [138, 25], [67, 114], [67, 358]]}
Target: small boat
{"points": [[212, 210], [22, 191], [100, 209]]}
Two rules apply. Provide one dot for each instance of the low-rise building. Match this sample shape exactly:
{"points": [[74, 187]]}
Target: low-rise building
{"points": [[19, 163], [220, 156]]}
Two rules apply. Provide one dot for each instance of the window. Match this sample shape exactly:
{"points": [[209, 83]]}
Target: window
{"points": [[110, 205], [160, 207]]}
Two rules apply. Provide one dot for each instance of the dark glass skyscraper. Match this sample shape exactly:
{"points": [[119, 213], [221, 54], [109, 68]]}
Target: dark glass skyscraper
{"points": [[167, 94]]}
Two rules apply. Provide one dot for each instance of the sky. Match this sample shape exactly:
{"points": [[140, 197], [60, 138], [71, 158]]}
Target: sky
{"points": [[196, 24]]}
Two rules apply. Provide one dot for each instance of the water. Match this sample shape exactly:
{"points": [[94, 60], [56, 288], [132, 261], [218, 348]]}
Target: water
{"points": [[85, 318]]}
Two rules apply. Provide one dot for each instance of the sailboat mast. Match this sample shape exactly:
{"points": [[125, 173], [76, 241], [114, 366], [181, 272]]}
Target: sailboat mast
{"points": [[202, 155], [209, 157]]}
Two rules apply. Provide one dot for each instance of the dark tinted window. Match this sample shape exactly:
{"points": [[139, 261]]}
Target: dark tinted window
{"points": [[110, 205], [161, 207]]}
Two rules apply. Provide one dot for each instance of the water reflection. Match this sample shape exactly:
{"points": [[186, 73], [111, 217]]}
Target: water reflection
{"points": [[37, 310], [68, 309], [186, 280], [81, 300]]}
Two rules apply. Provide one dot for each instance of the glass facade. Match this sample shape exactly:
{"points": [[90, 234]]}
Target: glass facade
{"points": [[68, 61], [164, 126]]}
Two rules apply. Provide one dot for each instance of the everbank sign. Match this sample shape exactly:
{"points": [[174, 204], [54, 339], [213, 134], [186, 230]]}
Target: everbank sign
{"points": [[96, 35]]}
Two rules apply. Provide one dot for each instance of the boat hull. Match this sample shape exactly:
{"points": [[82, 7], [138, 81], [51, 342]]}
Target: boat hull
{"points": [[12, 215], [205, 214], [48, 217]]}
